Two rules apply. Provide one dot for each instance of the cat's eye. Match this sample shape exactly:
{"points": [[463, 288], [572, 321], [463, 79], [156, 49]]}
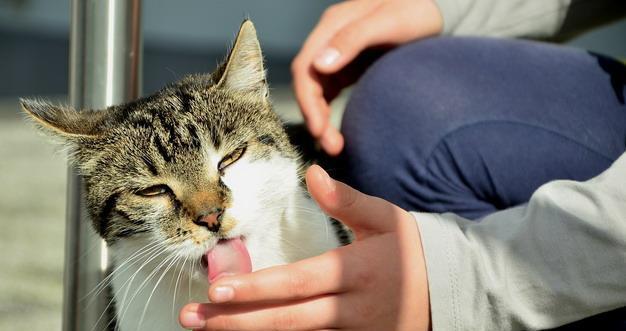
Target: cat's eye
{"points": [[154, 191], [231, 158]]}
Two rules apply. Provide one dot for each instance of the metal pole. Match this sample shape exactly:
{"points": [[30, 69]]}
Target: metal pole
{"points": [[105, 69]]}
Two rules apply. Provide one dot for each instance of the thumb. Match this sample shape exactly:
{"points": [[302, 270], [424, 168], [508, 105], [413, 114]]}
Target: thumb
{"points": [[350, 41], [364, 214]]}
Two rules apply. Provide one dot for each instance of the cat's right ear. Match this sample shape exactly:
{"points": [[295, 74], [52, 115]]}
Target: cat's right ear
{"points": [[244, 70], [65, 122]]}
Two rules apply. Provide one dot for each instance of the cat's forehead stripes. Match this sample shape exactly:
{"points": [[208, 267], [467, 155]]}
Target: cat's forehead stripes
{"points": [[179, 133], [266, 139], [185, 99], [158, 120]]}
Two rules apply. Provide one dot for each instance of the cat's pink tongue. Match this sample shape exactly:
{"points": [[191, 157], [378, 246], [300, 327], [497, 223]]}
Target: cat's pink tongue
{"points": [[228, 257]]}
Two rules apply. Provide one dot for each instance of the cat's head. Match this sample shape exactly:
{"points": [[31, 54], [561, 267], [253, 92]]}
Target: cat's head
{"points": [[201, 160]]}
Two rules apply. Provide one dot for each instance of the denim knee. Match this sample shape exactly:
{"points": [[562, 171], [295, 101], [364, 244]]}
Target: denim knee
{"points": [[387, 111], [412, 98]]}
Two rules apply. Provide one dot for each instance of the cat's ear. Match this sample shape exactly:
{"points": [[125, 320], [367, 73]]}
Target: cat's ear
{"points": [[65, 121], [244, 70]]}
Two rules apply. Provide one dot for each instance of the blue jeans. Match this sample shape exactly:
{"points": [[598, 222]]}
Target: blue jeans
{"points": [[474, 125]]}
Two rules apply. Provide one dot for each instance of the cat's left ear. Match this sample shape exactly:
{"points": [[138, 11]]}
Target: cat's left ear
{"points": [[65, 122], [244, 70]]}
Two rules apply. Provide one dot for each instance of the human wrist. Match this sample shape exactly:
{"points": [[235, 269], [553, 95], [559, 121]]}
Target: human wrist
{"points": [[420, 288]]}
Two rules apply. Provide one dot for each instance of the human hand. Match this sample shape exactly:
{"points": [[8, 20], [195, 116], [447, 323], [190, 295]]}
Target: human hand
{"points": [[376, 283], [344, 31]]}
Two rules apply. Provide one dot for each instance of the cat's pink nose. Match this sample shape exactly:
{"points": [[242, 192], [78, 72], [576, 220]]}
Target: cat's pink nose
{"points": [[211, 221]]}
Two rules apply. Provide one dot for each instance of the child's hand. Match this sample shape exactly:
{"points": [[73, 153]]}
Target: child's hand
{"points": [[343, 32], [376, 283]]}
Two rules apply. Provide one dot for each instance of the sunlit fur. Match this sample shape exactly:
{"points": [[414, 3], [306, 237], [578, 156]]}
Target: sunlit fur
{"points": [[177, 137]]}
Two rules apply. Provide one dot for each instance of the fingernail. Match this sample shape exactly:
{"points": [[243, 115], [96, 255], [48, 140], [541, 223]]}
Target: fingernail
{"points": [[327, 57], [330, 183], [222, 294], [192, 320]]}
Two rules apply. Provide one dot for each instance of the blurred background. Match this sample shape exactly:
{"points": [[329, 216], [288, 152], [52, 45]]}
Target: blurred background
{"points": [[180, 37]]}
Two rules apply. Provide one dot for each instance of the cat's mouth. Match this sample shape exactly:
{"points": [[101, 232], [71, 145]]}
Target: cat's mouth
{"points": [[227, 257]]}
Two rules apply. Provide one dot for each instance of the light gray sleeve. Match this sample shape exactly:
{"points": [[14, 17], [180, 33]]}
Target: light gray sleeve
{"points": [[558, 259], [556, 19]]}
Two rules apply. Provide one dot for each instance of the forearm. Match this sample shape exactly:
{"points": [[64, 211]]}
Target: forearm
{"points": [[526, 18], [556, 260]]}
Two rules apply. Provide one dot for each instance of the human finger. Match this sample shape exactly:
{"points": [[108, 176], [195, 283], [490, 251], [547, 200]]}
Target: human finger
{"points": [[308, 88], [319, 275], [310, 98], [331, 140], [391, 23], [364, 214], [311, 314], [333, 19], [375, 28]]}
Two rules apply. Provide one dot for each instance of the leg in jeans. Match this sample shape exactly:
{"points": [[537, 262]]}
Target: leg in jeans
{"points": [[471, 126]]}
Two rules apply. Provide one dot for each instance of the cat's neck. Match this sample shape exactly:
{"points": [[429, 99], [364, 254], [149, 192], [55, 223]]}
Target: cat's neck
{"points": [[309, 228]]}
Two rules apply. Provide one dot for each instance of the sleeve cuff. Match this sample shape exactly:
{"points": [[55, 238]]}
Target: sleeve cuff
{"points": [[450, 13], [443, 284]]}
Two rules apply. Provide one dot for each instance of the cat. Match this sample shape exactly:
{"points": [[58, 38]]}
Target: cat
{"points": [[193, 182]]}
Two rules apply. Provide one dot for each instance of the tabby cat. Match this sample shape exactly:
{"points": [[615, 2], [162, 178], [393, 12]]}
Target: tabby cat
{"points": [[191, 183]]}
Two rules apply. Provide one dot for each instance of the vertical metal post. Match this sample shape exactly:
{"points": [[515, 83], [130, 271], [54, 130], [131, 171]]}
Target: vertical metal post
{"points": [[105, 69]]}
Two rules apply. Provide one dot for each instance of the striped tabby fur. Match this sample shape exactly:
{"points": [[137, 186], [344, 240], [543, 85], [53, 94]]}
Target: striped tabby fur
{"points": [[152, 166]]}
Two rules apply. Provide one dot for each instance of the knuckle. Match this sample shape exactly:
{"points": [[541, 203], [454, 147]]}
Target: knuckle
{"points": [[350, 35], [347, 33], [364, 279]]}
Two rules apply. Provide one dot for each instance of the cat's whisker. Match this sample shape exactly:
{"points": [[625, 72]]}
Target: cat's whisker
{"points": [[126, 305], [172, 279], [147, 279], [112, 299], [180, 272], [99, 291], [145, 309], [112, 275], [153, 273], [104, 311], [134, 260], [303, 210], [326, 229], [191, 270], [293, 245]]}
